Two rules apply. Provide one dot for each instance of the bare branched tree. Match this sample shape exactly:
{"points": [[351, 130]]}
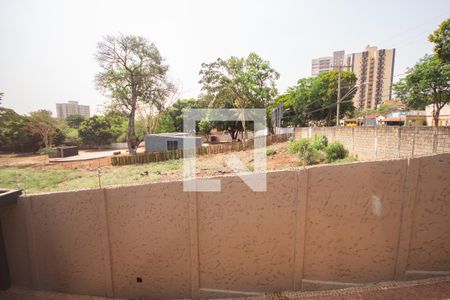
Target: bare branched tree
{"points": [[150, 113], [42, 124], [133, 74]]}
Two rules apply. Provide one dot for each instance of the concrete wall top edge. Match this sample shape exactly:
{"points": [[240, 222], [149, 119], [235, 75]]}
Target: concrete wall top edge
{"points": [[299, 169]]}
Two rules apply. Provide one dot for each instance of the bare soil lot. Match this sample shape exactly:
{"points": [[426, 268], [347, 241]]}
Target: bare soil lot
{"points": [[34, 173]]}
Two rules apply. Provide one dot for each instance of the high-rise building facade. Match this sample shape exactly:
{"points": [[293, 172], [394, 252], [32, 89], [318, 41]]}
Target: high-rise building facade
{"points": [[63, 110], [321, 64], [328, 63], [374, 69]]}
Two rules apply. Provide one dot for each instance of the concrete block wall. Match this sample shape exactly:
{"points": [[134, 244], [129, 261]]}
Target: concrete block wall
{"points": [[385, 142], [322, 227]]}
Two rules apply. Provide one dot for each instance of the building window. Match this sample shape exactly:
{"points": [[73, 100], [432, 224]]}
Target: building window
{"points": [[172, 145]]}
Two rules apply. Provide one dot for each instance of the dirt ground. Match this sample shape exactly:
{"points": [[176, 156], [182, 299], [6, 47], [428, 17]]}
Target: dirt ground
{"points": [[217, 162], [22, 160], [35, 174]]}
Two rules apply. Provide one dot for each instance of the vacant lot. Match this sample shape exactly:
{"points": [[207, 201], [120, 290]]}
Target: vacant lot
{"points": [[34, 175]]}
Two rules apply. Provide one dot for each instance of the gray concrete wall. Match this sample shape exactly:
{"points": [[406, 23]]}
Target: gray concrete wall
{"points": [[158, 143], [381, 142], [321, 227]]}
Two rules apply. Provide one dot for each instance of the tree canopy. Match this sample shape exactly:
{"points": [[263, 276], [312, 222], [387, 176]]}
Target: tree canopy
{"points": [[314, 99], [441, 39], [428, 82], [45, 126], [74, 121], [14, 132], [96, 131], [133, 73], [175, 112], [239, 83]]}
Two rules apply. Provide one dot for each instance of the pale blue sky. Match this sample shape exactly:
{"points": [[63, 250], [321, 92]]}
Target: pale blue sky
{"points": [[47, 47]]}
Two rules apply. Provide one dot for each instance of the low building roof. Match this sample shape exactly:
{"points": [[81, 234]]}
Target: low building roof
{"points": [[372, 116], [178, 135]]}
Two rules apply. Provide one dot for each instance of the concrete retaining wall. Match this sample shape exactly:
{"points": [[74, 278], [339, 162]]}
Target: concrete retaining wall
{"points": [[385, 142], [317, 228]]}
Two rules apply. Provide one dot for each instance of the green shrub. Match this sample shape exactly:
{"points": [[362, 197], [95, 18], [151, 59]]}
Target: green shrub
{"points": [[335, 151], [319, 142], [307, 153], [293, 146], [50, 151], [270, 152], [72, 137]]}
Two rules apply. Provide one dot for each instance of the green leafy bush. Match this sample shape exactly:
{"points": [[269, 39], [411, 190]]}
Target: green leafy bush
{"points": [[319, 142], [293, 146], [72, 137], [50, 151], [335, 151], [270, 152], [96, 131], [307, 153], [316, 149]]}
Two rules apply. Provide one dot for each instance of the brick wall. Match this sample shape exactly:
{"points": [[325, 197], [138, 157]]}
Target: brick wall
{"points": [[385, 142]]}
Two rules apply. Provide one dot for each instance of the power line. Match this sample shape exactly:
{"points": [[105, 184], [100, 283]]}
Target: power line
{"points": [[333, 104]]}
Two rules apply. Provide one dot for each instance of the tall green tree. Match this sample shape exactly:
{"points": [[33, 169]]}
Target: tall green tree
{"points": [[133, 73], [314, 99], [45, 126], [165, 124], [96, 131], [441, 39], [428, 82], [74, 121], [205, 126], [14, 132], [244, 82], [175, 112]]}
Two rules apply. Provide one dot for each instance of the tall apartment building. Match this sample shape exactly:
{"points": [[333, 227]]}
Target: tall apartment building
{"points": [[328, 63], [320, 65], [70, 108], [374, 69]]}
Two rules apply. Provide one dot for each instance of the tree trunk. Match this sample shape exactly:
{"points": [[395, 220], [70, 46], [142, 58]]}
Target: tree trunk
{"points": [[131, 134], [436, 112], [244, 131], [45, 138]]}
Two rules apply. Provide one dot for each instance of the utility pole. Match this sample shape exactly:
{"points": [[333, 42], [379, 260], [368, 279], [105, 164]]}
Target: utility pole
{"points": [[338, 108], [338, 102]]}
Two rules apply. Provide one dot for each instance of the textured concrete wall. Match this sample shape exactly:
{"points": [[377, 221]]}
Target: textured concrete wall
{"points": [[149, 239], [316, 228], [385, 142], [66, 248], [430, 234], [246, 239], [351, 233]]}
